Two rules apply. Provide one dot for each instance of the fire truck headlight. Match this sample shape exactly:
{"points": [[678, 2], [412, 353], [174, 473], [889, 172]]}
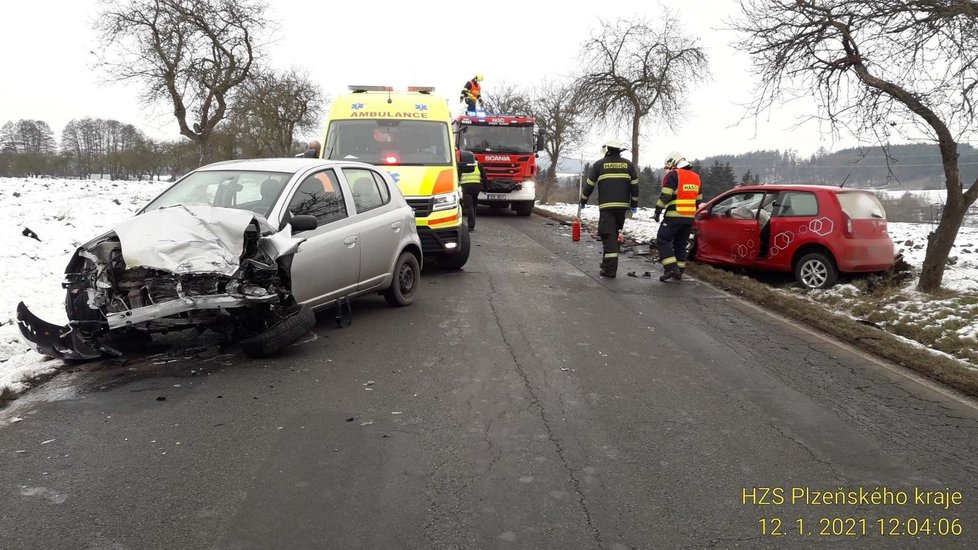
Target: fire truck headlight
{"points": [[529, 184], [446, 201]]}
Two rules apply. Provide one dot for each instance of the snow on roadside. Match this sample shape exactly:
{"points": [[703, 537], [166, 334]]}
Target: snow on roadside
{"points": [[641, 228], [64, 214]]}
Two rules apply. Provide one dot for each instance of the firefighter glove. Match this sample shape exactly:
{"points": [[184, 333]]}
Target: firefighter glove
{"points": [[633, 210], [583, 204], [658, 214]]}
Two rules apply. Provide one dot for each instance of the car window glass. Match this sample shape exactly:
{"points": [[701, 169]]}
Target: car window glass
{"points": [[254, 191], [385, 192], [363, 187], [742, 206], [861, 206], [798, 203], [319, 195]]}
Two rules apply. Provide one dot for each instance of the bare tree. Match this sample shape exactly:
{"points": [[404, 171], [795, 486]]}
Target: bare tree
{"points": [[189, 53], [876, 67], [632, 70], [271, 108], [507, 99], [558, 110]]}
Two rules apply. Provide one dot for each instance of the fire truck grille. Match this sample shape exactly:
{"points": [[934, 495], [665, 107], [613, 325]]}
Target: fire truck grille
{"points": [[508, 170]]}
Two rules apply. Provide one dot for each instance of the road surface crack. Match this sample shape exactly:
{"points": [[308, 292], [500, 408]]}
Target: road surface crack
{"points": [[535, 402]]}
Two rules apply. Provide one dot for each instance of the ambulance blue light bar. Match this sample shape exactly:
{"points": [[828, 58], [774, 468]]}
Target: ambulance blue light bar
{"points": [[358, 89], [421, 89]]}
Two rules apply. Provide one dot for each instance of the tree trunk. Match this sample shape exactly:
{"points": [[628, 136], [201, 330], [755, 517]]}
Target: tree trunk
{"points": [[206, 151], [636, 126], [939, 245], [549, 177]]}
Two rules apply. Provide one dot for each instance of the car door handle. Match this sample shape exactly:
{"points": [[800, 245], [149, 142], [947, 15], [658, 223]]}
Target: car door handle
{"points": [[396, 226], [351, 241]]}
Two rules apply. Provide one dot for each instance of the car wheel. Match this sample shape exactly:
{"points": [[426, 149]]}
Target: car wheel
{"points": [[457, 259], [280, 335], [406, 281], [523, 208], [691, 248], [816, 270]]}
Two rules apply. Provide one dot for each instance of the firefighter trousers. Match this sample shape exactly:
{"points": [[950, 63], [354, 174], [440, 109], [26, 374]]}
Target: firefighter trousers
{"points": [[673, 242], [610, 223], [470, 199]]}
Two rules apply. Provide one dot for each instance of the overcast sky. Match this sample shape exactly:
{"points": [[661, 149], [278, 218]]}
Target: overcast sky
{"points": [[47, 72]]}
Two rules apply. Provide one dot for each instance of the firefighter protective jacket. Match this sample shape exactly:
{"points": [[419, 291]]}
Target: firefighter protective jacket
{"points": [[472, 90], [681, 194], [616, 181]]}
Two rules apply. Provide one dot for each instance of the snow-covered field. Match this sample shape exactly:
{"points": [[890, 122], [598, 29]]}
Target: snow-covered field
{"points": [[63, 214]]}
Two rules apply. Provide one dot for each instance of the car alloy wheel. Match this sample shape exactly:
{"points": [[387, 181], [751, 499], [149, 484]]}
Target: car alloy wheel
{"points": [[814, 273]]}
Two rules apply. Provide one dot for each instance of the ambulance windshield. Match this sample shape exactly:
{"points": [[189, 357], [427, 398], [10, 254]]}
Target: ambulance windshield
{"points": [[389, 142]]}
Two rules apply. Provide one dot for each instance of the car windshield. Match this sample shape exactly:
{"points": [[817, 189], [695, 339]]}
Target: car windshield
{"points": [[254, 191], [389, 142], [860, 205], [497, 139]]}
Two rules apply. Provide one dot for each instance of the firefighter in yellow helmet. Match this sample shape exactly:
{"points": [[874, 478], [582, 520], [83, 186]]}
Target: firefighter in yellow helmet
{"points": [[472, 93], [681, 196], [616, 180]]}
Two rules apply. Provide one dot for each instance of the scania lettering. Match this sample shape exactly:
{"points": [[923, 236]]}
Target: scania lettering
{"points": [[409, 134], [506, 147]]}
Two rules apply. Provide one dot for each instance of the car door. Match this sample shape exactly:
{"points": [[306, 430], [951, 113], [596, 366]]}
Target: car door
{"points": [[793, 221], [378, 223], [730, 233], [327, 266]]}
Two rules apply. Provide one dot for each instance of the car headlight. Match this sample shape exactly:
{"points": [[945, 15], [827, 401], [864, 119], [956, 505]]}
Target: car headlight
{"points": [[446, 201], [529, 184]]}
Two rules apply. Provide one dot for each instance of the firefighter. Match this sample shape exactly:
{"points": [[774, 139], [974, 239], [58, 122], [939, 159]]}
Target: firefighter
{"points": [[616, 180], [681, 196], [471, 183], [471, 93]]}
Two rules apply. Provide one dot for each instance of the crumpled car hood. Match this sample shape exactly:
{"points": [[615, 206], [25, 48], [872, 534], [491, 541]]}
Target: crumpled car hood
{"points": [[196, 239]]}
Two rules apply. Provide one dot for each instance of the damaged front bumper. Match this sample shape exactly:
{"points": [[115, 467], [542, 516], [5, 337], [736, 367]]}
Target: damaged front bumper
{"points": [[69, 341]]}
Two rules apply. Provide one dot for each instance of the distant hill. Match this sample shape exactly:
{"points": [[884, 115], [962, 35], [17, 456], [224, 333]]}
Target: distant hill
{"points": [[908, 166]]}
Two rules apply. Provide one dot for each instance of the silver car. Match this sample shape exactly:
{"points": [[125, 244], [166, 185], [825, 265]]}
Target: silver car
{"points": [[249, 248]]}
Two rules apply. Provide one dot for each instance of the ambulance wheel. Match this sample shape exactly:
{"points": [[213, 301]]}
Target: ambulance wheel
{"points": [[457, 259]]}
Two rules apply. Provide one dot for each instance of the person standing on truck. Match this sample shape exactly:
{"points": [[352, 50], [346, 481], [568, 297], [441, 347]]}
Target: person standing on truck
{"points": [[471, 183], [472, 93], [681, 196], [616, 180]]}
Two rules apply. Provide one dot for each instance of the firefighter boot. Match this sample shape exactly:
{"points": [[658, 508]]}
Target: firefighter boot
{"points": [[670, 271]]}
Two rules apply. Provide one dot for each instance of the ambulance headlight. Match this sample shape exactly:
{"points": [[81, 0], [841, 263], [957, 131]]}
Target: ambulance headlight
{"points": [[446, 201]]}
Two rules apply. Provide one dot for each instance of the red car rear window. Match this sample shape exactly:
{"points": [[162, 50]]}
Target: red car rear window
{"points": [[860, 205]]}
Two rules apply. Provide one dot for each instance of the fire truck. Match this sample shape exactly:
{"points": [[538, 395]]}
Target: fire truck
{"points": [[506, 147]]}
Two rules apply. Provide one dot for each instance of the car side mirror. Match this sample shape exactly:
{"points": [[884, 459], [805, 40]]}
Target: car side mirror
{"points": [[468, 168], [702, 214], [303, 222], [540, 142]]}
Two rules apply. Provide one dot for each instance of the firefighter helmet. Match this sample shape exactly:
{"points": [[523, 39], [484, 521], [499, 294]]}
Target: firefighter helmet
{"points": [[675, 160], [478, 77], [611, 143]]}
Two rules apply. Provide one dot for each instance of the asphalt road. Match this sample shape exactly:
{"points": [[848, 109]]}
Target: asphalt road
{"points": [[520, 403]]}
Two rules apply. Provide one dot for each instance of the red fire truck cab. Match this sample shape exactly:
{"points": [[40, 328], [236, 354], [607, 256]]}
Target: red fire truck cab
{"points": [[506, 147]]}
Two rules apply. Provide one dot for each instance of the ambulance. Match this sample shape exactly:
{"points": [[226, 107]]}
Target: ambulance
{"points": [[409, 134]]}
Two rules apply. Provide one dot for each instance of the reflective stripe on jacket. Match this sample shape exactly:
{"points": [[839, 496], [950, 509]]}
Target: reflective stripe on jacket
{"points": [[681, 193], [616, 180], [472, 89]]}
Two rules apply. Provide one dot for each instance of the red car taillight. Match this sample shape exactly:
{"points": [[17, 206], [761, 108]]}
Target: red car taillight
{"points": [[848, 231]]}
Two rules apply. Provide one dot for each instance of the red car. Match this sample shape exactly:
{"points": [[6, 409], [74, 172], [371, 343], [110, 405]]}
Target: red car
{"points": [[811, 230]]}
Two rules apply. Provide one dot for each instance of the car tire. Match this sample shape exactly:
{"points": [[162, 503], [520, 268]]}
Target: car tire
{"points": [[281, 335], [523, 208], [691, 248], [405, 281], [816, 270], [457, 259]]}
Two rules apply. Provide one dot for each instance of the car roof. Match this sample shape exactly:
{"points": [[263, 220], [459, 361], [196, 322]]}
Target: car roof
{"points": [[273, 165], [797, 187]]}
